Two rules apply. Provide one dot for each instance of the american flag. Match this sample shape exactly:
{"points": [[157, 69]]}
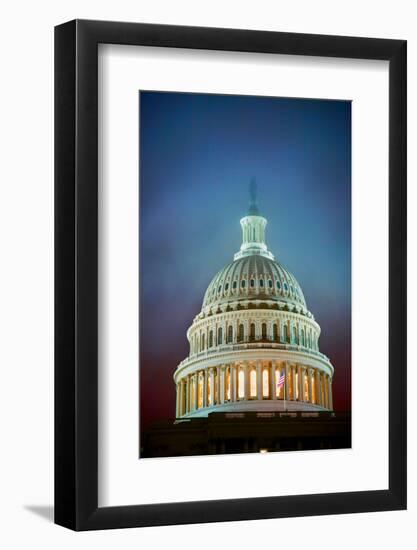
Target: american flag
{"points": [[281, 380]]}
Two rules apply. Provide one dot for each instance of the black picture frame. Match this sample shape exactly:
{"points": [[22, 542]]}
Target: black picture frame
{"points": [[76, 273]]}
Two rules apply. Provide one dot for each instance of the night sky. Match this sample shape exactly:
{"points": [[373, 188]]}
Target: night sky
{"points": [[198, 153]]}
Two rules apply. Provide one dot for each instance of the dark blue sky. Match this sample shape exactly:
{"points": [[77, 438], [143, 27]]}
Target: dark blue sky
{"points": [[198, 153]]}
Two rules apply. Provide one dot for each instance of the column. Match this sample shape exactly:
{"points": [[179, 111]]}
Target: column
{"points": [[183, 386], [286, 385], [196, 391], [205, 388], [247, 387], [187, 394], [211, 373], [232, 383], [177, 400], [272, 380], [226, 372], [310, 385], [246, 324], [318, 388], [179, 387], [326, 390], [330, 394], [259, 379], [197, 388], [303, 380], [222, 384], [299, 369], [218, 384], [191, 382], [294, 383]]}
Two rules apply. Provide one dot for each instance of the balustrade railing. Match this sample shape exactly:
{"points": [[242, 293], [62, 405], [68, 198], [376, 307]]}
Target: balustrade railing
{"points": [[254, 344]]}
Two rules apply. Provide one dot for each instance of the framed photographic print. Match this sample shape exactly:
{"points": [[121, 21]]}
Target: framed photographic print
{"points": [[230, 275]]}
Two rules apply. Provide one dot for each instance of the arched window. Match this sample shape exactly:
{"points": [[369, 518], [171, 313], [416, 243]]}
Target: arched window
{"points": [[253, 234], [263, 331], [243, 283], [200, 391], [228, 387], [307, 397], [203, 342], [252, 283], [226, 286], [209, 391], [294, 334], [261, 283], [241, 384], [220, 336], [241, 333], [270, 283], [302, 337], [290, 384], [252, 332], [278, 285], [229, 334], [275, 332], [220, 288], [265, 383], [252, 383], [285, 333], [234, 284], [313, 389], [210, 339], [285, 286]]}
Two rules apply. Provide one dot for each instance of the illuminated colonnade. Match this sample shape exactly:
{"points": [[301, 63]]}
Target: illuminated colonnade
{"points": [[252, 381]]}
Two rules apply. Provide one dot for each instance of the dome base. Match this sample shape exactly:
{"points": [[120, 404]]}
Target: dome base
{"points": [[267, 405]]}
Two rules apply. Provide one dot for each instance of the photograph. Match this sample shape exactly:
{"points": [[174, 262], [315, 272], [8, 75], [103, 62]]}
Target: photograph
{"points": [[244, 274], [208, 234]]}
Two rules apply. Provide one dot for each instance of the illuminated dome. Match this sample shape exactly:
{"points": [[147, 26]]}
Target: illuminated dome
{"points": [[254, 344], [254, 278]]}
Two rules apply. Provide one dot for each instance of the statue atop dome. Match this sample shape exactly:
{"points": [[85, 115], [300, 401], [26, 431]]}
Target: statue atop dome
{"points": [[253, 193]]}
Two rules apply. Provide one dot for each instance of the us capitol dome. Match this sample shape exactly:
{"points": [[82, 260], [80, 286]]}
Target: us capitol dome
{"points": [[254, 346]]}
